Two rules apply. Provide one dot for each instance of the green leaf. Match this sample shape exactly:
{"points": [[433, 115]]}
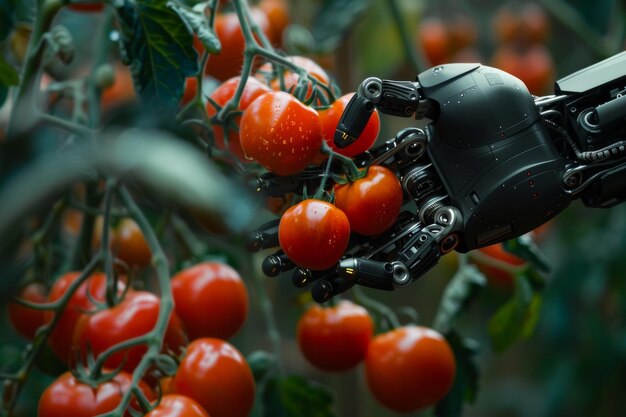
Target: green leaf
{"points": [[8, 75], [293, 396], [196, 22], [159, 48], [525, 248], [334, 19], [465, 386], [459, 293], [518, 317]]}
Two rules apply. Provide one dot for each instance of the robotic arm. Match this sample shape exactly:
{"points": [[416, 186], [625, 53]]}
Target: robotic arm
{"points": [[493, 163]]}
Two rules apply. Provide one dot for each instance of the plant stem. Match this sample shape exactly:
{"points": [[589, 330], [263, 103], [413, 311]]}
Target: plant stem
{"points": [[378, 307], [415, 58]]}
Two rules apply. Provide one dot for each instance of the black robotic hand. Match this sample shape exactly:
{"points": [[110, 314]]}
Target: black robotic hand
{"points": [[493, 163]]}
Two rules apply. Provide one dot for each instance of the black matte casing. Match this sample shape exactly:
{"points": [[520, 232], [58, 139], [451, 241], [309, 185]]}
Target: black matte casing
{"points": [[492, 151]]}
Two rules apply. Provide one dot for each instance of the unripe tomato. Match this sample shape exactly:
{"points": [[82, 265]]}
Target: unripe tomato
{"points": [[330, 119], [434, 39], [409, 368], [211, 300], [215, 374], [174, 405], [134, 316], [497, 276], [61, 337], [335, 339], [27, 320], [281, 133], [222, 95], [67, 396], [229, 61], [372, 203], [314, 234], [87, 7]]}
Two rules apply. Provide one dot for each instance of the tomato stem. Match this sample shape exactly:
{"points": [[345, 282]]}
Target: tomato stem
{"points": [[352, 172], [414, 56], [379, 308]]}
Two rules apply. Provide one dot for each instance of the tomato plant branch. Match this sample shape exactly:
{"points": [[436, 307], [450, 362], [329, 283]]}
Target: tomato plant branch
{"points": [[83, 244], [196, 248], [352, 172], [66, 125], [154, 338], [105, 246], [381, 309], [413, 55]]}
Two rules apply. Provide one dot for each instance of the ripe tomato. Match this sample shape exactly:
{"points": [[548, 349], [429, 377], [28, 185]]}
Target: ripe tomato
{"points": [[214, 373], [371, 203], [136, 315], [462, 31], [265, 74], [409, 368], [27, 320], [129, 244], [314, 234], [525, 23], [281, 133], [535, 24], [335, 339], [497, 276], [61, 337], [434, 39], [506, 24], [67, 396], [122, 92], [211, 300], [277, 11], [228, 62], [174, 405], [221, 95], [87, 7], [330, 119], [533, 66]]}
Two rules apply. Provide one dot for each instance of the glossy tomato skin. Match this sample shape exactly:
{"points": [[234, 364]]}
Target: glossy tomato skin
{"points": [[409, 368], [277, 12], [211, 300], [27, 320], [229, 61], [174, 405], [281, 133], [129, 244], [435, 41], [67, 396], [221, 95], [134, 316], [335, 339], [371, 203], [314, 234], [215, 374], [60, 339], [330, 119]]}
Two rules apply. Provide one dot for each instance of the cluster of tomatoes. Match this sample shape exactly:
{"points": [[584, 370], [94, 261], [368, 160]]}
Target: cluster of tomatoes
{"points": [[211, 304], [407, 369], [520, 31]]}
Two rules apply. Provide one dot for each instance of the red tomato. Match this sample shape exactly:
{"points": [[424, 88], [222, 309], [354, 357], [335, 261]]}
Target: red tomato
{"points": [[87, 7], [409, 368], [495, 275], [265, 74], [211, 300], [434, 39], [371, 203], [281, 133], [61, 337], [135, 316], [67, 396], [129, 244], [330, 119], [277, 11], [221, 95], [533, 66], [27, 320], [122, 92], [462, 31], [335, 339], [314, 234], [214, 373], [228, 62], [174, 405]]}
